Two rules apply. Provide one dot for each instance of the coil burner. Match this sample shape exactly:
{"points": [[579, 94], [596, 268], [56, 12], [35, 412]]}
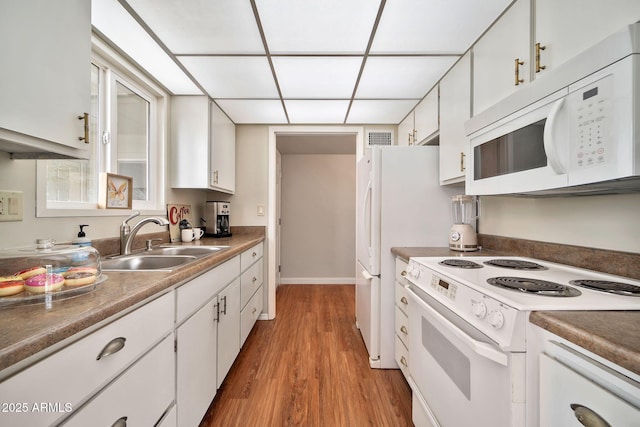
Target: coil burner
{"points": [[460, 263], [617, 288], [515, 264], [534, 286]]}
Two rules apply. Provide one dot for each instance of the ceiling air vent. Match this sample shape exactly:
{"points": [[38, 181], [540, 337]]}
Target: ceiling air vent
{"points": [[379, 138]]}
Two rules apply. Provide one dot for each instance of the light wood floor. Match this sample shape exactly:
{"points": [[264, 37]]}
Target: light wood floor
{"points": [[309, 367]]}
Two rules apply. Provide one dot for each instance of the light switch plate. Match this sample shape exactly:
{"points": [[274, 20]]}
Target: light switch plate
{"points": [[10, 205]]}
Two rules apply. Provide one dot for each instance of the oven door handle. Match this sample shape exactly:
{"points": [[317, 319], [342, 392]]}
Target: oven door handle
{"points": [[482, 349]]}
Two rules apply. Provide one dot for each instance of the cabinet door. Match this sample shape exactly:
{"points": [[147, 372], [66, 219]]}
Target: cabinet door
{"points": [[196, 364], [568, 27], [455, 108], [228, 328], [140, 396], [426, 117], [223, 152], [45, 78], [494, 57], [405, 131], [189, 141]]}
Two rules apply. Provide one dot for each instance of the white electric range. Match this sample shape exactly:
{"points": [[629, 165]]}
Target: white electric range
{"points": [[468, 323]]}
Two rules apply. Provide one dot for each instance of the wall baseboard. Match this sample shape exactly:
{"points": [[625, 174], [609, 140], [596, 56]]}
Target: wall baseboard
{"points": [[317, 280]]}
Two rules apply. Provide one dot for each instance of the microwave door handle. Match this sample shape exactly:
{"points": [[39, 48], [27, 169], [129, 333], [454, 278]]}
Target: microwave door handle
{"points": [[550, 144], [480, 348]]}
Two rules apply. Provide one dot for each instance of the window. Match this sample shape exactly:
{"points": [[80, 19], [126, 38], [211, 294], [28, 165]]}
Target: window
{"points": [[126, 121]]}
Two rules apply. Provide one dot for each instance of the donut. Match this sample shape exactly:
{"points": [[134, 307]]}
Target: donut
{"points": [[36, 284], [10, 285], [78, 276], [30, 272]]}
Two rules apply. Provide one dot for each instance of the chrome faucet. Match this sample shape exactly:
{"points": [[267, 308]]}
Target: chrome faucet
{"points": [[127, 233]]}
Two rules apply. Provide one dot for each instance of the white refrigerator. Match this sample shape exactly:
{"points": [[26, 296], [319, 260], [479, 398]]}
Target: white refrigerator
{"points": [[399, 203]]}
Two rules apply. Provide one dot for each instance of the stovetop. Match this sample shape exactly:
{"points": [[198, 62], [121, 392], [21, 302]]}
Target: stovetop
{"points": [[531, 287]]}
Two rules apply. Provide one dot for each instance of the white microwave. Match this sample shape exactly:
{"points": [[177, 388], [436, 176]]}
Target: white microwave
{"points": [[575, 131]]}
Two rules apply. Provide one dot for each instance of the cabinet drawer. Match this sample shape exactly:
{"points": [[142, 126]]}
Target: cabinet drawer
{"points": [[250, 281], [401, 271], [250, 256], [250, 314], [141, 395], [194, 294], [402, 326], [74, 373], [402, 300], [402, 357]]}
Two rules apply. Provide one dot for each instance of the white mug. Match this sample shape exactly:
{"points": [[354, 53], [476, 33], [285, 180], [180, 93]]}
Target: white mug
{"points": [[197, 233], [187, 235]]}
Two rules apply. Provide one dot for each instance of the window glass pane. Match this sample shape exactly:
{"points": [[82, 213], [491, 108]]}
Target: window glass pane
{"points": [[133, 139], [75, 181]]}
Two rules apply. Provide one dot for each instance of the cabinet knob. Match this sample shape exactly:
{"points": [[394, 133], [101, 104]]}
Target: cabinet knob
{"points": [[120, 422], [112, 347], [588, 417], [403, 360], [404, 300], [538, 66], [518, 64], [254, 279], [85, 138], [403, 329], [254, 254]]}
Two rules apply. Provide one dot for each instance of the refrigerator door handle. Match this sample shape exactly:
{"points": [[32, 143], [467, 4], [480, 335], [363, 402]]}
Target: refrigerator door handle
{"points": [[366, 216]]}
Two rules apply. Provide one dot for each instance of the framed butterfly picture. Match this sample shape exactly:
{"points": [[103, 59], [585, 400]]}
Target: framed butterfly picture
{"points": [[115, 191]]}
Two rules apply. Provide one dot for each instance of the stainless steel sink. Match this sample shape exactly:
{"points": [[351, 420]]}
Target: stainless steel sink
{"points": [[145, 262], [187, 250]]}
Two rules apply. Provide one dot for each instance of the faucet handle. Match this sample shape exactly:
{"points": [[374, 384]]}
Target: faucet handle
{"points": [[150, 243], [130, 217]]}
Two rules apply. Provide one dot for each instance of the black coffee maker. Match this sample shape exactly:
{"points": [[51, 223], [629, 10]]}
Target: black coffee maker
{"points": [[217, 217]]}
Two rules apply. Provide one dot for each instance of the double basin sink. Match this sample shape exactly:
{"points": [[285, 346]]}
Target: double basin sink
{"points": [[162, 258]]}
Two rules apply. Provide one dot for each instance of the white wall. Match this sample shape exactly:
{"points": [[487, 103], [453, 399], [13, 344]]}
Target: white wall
{"points": [[318, 218], [606, 222]]}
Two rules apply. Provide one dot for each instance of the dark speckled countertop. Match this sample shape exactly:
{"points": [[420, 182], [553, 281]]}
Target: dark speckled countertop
{"points": [[613, 335], [29, 330]]}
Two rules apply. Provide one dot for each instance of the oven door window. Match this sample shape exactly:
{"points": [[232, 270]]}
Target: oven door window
{"points": [[517, 151]]}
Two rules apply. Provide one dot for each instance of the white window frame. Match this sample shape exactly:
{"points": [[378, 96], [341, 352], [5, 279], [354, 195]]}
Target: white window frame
{"points": [[118, 69]]}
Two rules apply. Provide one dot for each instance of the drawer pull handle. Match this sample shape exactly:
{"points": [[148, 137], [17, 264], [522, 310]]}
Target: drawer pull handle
{"points": [[404, 300], [224, 307], [254, 254], [254, 279], [114, 346], [120, 422], [254, 310], [403, 274], [588, 417], [403, 329], [403, 360]]}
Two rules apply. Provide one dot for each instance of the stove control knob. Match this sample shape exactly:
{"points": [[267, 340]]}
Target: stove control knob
{"points": [[413, 271], [480, 310], [496, 319]]}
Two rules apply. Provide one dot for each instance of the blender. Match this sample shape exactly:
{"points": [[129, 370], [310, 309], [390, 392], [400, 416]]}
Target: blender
{"points": [[462, 236]]}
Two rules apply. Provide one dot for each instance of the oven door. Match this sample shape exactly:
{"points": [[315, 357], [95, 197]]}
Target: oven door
{"points": [[464, 377]]}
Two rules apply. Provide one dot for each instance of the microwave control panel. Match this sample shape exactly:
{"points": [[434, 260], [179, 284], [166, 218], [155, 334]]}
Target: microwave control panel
{"points": [[593, 143]]}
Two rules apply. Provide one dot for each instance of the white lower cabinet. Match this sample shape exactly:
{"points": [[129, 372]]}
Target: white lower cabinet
{"points": [[228, 328], [76, 373], [250, 313], [196, 364], [139, 397], [402, 318]]}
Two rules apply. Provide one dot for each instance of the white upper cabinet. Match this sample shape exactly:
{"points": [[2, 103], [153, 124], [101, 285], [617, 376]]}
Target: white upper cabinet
{"points": [[566, 28], [405, 130], [426, 117], [45, 76], [497, 54], [203, 142], [455, 110]]}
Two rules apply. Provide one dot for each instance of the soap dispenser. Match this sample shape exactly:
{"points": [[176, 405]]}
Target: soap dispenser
{"points": [[82, 239]]}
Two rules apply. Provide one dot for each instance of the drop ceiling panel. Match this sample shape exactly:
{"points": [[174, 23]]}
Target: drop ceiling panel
{"points": [[380, 111], [113, 21], [233, 76], [253, 111], [317, 77], [321, 111], [328, 26], [202, 26], [401, 77], [435, 26]]}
